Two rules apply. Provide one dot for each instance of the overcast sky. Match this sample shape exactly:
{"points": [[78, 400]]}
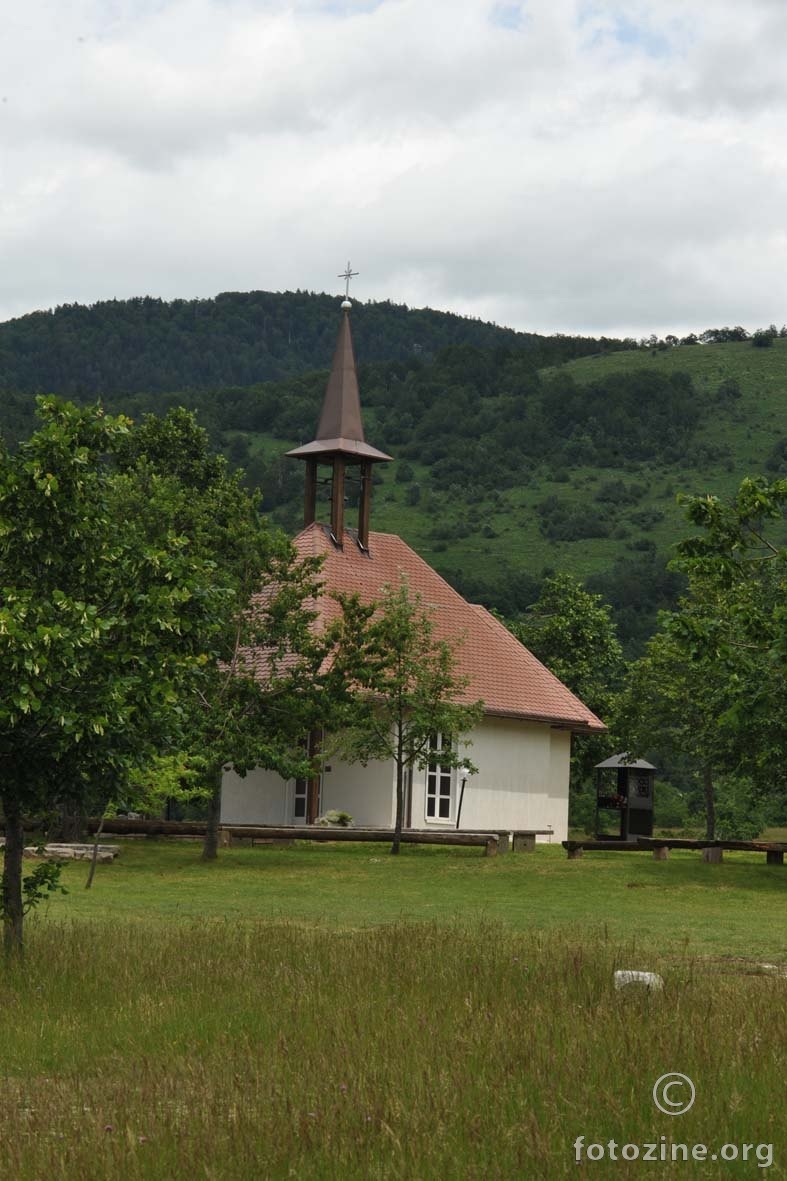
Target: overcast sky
{"points": [[553, 165]]}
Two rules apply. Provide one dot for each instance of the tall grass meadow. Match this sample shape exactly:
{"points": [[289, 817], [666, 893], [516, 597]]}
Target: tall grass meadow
{"points": [[418, 1050]]}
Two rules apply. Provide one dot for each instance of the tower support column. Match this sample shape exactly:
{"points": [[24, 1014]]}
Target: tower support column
{"points": [[365, 505], [310, 493], [337, 499]]}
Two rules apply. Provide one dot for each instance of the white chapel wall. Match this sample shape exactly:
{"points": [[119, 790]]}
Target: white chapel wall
{"points": [[560, 765], [522, 779], [367, 793], [522, 782], [261, 797]]}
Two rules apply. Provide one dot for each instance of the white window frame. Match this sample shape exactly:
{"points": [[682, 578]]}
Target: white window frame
{"points": [[438, 777], [300, 790], [300, 793]]}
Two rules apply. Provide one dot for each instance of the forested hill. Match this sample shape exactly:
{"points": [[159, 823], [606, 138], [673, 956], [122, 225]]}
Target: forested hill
{"points": [[517, 455], [136, 345]]}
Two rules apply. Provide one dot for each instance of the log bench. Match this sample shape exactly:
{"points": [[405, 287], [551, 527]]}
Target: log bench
{"points": [[520, 839], [524, 840], [712, 851], [488, 841]]}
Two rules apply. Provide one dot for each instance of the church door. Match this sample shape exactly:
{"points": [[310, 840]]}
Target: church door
{"points": [[300, 801], [307, 794], [306, 800]]}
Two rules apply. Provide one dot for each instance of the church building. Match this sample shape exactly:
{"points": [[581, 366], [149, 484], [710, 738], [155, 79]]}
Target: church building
{"points": [[522, 745]]}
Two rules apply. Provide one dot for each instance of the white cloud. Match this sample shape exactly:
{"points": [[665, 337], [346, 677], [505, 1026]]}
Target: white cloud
{"points": [[554, 164]]}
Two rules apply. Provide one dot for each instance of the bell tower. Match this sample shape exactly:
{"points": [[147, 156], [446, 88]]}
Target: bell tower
{"points": [[339, 442]]}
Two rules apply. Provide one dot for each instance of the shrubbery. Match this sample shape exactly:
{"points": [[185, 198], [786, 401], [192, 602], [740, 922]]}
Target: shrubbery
{"points": [[563, 521]]}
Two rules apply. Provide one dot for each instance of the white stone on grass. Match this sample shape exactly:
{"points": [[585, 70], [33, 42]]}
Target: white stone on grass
{"points": [[650, 980], [774, 969]]}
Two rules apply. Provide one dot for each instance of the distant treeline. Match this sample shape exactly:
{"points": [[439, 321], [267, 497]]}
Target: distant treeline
{"points": [[238, 338]]}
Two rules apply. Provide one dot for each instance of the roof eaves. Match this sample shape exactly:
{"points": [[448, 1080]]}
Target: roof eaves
{"points": [[356, 448], [591, 725], [589, 719]]}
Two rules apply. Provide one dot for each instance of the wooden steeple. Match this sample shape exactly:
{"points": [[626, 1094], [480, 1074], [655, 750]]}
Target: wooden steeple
{"points": [[340, 442]]}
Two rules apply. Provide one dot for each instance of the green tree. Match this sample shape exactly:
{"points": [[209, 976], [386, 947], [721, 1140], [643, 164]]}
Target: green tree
{"points": [[671, 705], [710, 686], [406, 684], [572, 632], [101, 628], [738, 565], [261, 689], [740, 814]]}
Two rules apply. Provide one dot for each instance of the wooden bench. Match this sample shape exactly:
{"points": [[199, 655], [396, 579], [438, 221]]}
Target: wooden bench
{"points": [[712, 851], [575, 849], [524, 840], [493, 840], [488, 841]]}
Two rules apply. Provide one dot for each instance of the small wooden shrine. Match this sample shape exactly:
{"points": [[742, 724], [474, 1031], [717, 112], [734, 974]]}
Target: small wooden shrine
{"points": [[624, 798]]}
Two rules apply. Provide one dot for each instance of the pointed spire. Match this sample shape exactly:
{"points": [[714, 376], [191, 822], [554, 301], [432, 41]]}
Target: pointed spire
{"points": [[340, 440], [340, 430], [341, 410]]}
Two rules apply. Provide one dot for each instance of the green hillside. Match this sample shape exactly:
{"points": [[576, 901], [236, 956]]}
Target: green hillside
{"points": [[743, 391], [516, 455], [611, 516]]}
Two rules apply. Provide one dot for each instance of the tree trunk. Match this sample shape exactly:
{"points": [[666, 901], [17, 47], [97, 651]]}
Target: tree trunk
{"points": [[399, 802], [94, 858], [710, 803], [70, 824], [210, 848], [12, 880]]}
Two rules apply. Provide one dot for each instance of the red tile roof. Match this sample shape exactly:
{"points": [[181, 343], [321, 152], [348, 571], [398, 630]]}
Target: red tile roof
{"points": [[501, 671]]}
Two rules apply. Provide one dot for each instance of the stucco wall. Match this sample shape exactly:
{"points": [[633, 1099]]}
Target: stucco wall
{"points": [[367, 793], [522, 782], [262, 797], [522, 779]]}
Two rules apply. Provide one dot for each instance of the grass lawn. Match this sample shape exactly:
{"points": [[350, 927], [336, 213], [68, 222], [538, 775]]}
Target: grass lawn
{"points": [[333, 1012], [737, 908]]}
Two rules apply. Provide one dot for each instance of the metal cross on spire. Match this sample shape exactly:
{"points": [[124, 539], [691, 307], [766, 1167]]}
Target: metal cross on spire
{"points": [[347, 275]]}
